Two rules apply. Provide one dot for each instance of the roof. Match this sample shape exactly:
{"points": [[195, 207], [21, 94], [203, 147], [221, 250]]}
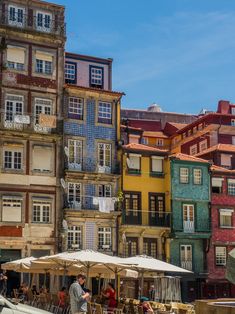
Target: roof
{"points": [[185, 157], [141, 147], [130, 127], [215, 168], [154, 134], [219, 147], [72, 55], [102, 91], [146, 125], [178, 125], [49, 3]]}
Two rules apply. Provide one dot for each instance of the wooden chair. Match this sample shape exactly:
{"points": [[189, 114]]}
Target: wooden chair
{"points": [[98, 308]]}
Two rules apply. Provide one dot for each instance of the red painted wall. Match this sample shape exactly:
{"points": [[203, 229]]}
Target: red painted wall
{"points": [[10, 231]]}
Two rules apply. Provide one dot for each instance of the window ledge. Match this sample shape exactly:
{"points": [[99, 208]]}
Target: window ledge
{"points": [[134, 172], [157, 174]]}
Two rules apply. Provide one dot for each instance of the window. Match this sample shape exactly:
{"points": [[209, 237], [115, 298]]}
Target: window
{"points": [[193, 150], [150, 247], [41, 211], [74, 237], [43, 106], [186, 256], [231, 186], [145, 141], [105, 112], [104, 238], [184, 175], [13, 107], [43, 22], [226, 160], [134, 139], [76, 108], [233, 122], [203, 145], [74, 195], [70, 73], [132, 203], [75, 154], [42, 158], [233, 110], [13, 158], [197, 176], [105, 190], [233, 139], [96, 77], [104, 158], [159, 142], [44, 62], [188, 218], [130, 247], [217, 185], [220, 255], [225, 216], [11, 208], [16, 16], [156, 165], [133, 163], [157, 215], [15, 58]]}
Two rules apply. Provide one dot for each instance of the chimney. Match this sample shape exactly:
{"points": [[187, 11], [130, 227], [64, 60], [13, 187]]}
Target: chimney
{"points": [[223, 107]]}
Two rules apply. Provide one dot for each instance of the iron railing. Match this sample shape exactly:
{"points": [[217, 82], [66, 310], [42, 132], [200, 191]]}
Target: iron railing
{"points": [[146, 218], [30, 22], [87, 203]]}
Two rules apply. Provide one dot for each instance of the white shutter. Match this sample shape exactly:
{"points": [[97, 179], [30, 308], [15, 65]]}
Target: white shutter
{"points": [[11, 209], [42, 158], [157, 165], [226, 160], [134, 162], [90, 236], [217, 182], [16, 54], [40, 55]]}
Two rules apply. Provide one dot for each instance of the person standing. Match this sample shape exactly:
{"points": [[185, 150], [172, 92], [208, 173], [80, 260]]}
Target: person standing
{"points": [[78, 298]]}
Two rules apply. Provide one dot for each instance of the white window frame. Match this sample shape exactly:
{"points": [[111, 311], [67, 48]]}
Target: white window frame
{"points": [[10, 202], [70, 71], [75, 149], [145, 140], [193, 150], [74, 237], [16, 21], [233, 110], [15, 100], [96, 76], [224, 213], [233, 122], [105, 238], [203, 145], [184, 177], [10, 155], [44, 216], [189, 218], [220, 255], [105, 190], [159, 142], [74, 195], [13, 64], [231, 186], [76, 107], [186, 262], [44, 68], [197, 176], [43, 27], [105, 110], [104, 157], [131, 164], [160, 160], [44, 106]]}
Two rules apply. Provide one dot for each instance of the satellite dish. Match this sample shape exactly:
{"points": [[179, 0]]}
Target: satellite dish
{"points": [[128, 162], [65, 224], [63, 183], [66, 151]]}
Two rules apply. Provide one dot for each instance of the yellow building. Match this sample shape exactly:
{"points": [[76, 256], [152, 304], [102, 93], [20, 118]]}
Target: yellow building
{"points": [[145, 221]]}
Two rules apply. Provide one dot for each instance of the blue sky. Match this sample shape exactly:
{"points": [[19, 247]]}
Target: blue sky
{"points": [[179, 54]]}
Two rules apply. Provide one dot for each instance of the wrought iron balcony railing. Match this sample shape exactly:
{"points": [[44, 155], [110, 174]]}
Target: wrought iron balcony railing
{"points": [[146, 218], [30, 123], [43, 24], [92, 203]]}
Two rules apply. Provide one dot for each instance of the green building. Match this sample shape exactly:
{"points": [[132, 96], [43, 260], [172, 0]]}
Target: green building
{"points": [[190, 228]]}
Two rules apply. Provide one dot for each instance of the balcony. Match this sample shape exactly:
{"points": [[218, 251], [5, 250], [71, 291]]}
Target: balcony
{"points": [[30, 123], [91, 165], [87, 203], [146, 218], [22, 21], [188, 264]]}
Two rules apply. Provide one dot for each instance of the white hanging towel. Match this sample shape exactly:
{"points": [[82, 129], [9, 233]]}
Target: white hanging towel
{"points": [[106, 204], [95, 200]]}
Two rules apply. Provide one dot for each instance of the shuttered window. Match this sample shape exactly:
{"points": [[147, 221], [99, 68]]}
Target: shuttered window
{"points": [[11, 209], [42, 158]]}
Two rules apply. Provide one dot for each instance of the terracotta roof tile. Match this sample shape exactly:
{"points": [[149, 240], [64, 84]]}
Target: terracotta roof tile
{"points": [[154, 134], [178, 125], [185, 157], [141, 147], [218, 147], [221, 169], [104, 91]]}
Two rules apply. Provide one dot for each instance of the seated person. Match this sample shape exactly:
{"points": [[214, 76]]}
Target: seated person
{"points": [[145, 305]]}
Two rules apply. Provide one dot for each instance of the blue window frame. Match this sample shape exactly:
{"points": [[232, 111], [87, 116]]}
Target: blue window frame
{"points": [[70, 72], [96, 76]]}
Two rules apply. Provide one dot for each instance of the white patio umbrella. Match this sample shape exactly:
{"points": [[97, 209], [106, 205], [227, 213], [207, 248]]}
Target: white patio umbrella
{"points": [[19, 265], [143, 264]]}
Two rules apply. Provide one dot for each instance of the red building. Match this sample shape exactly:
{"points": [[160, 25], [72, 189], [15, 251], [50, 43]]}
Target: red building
{"points": [[223, 235]]}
